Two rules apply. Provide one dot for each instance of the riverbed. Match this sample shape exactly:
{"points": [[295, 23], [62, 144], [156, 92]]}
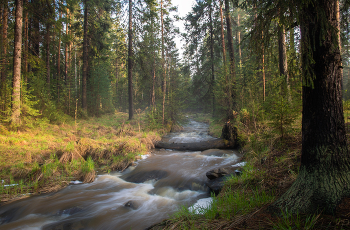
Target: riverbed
{"points": [[144, 194]]}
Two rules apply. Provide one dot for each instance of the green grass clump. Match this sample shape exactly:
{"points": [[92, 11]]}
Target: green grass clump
{"points": [[290, 221]]}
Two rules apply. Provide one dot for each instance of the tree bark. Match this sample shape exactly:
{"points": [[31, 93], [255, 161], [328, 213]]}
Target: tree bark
{"points": [[4, 53], [85, 57], [282, 58], [232, 58], [130, 65], [59, 61], [26, 44], [48, 56], [17, 52], [324, 175], [163, 62], [212, 81]]}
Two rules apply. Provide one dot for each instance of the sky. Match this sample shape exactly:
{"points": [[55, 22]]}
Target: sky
{"points": [[184, 6]]}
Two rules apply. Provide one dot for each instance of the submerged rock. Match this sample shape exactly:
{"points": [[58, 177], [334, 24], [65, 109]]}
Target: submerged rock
{"points": [[140, 177], [69, 211], [8, 215], [131, 204]]}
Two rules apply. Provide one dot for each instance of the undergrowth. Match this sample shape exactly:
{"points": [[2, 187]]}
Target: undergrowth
{"points": [[46, 157]]}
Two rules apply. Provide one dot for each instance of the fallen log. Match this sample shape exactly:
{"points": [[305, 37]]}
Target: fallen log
{"points": [[196, 146]]}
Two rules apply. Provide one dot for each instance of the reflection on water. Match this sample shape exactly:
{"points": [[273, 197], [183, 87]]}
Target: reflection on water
{"points": [[141, 196]]}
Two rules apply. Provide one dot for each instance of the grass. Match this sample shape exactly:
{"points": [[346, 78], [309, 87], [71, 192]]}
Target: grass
{"points": [[46, 157]]}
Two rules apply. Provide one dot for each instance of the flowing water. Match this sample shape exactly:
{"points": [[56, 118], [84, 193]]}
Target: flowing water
{"points": [[143, 195]]}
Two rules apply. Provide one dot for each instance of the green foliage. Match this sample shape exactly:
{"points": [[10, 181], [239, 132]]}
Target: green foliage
{"points": [[282, 113], [290, 221], [88, 165]]}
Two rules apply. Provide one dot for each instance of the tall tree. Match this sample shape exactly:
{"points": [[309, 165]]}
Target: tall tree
{"points": [[17, 52], [211, 31], [4, 52], [324, 175], [130, 65], [85, 57], [232, 57]]}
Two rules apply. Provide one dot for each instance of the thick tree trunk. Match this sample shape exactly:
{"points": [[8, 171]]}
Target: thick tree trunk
{"points": [[85, 57], [130, 65], [324, 177], [232, 77], [17, 52]]}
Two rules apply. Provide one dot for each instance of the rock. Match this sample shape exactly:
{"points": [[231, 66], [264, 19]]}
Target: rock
{"points": [[131, 204], [216, 173], [140, 177], [69, 211], [215, 152], [216, 185], [220, 172], [65, 225], [8, 215]]}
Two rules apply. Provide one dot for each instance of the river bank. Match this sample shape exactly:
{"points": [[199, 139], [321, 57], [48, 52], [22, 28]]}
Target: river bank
{"points": [[272, 167], [136, 198], [48, 157]]}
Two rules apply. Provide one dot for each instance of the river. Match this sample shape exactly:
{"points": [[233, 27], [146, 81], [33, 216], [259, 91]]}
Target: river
{"points": [[142, 195]]}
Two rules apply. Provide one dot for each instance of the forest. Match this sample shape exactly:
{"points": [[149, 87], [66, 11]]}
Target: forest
{"points": [[91, 86]]}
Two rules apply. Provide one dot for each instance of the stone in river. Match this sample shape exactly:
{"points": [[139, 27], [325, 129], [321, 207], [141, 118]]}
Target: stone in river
{"points": [[217, 184], [220, 172], [140, 177], [131, 204]]}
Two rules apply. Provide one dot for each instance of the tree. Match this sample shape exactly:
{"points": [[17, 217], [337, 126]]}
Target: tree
{"points": [[85, 57], [232, 77], [130, 64], [324, 176], [4, 53], [16, 87]]}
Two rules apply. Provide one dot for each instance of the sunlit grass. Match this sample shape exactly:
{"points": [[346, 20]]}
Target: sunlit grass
{"points": [[49, 154]]}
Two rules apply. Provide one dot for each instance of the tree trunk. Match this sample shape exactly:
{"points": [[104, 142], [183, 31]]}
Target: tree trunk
{"points": [[48, 56], [26, 44], [223, 39], [85, 57], [59, 62], [282, 58], [130, 65], [36, 29], [324, 177], [239, 44], [66, 50], [163, 62], [232, 78], [4, 54], [17, 52], [212, 81], [153, 94]]}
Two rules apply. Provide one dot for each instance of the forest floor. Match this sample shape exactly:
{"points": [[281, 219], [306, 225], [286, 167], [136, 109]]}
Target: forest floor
{"points": [[272, 166], [47, 157]]}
